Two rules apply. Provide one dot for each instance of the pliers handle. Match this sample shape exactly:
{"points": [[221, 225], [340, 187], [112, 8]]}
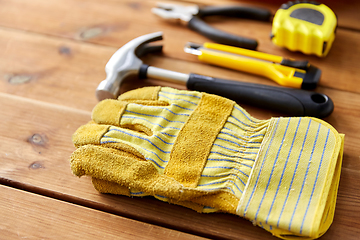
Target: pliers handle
{"points": [[193, 16]]}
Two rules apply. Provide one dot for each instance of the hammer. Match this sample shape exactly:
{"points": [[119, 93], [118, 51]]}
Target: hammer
{"points": [[126, 63]]}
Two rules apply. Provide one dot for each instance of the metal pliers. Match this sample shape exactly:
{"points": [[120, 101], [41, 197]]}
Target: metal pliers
{"points": [[192, 16]]}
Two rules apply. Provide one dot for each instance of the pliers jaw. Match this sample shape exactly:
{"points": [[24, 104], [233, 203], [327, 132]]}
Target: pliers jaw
{"points": [[170, 11]]}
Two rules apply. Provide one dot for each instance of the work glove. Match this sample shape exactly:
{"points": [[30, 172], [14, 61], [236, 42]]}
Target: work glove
{"points": [[207, 153]]}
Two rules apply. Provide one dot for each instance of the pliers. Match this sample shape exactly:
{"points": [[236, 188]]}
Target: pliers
{"points": [[192, 16]]}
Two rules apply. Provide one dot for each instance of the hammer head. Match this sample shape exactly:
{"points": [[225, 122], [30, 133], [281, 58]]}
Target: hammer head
{"points": [[125, 63]]}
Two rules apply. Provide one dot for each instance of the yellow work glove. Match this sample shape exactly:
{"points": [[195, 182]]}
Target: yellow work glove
{"points": [[207, 153]]}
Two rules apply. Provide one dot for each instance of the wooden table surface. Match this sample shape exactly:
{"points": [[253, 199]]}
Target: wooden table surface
{"points": [[52, 57]]}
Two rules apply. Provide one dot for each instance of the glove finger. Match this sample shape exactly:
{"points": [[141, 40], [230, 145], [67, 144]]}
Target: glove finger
{"points": [[90, 133], [109, 111], [96, 134], [110, 187], [164, 111], [153, 148], [180, 98], [155, 118], [170, 117], [123, 168], [104, 186], [145, 93], [161, 96]]}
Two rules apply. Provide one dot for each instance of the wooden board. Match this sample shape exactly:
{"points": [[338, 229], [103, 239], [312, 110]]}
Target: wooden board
{"points": [[30, 216]]}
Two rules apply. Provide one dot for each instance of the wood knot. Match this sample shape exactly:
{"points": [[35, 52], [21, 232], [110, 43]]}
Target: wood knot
{"points": [[19, 79], [38, 139], [90, 33], [135, 5], [36, 165], [63, 50]]}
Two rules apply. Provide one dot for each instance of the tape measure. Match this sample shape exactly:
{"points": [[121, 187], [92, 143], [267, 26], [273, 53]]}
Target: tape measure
{"points": [[305, 26]]}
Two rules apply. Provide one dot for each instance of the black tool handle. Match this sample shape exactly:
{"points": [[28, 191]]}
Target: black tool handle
{"points": [[219, 36], [198, 25], [294, 102], [254, 13]]}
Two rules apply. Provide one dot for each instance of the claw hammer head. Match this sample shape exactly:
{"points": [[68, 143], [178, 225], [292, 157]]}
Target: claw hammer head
{"points": [[125, 63]]}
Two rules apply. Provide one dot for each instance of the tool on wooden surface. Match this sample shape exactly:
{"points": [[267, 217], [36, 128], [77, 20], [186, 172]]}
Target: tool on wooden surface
{"points": [[125, 63], [205, 152], [192, 16], [286, 72], [305, 26]]}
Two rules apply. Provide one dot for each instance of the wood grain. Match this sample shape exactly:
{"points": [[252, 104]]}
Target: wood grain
{"points": [[109, 25], [30, 216], [52, 57], [65, 72], [81, 12]]}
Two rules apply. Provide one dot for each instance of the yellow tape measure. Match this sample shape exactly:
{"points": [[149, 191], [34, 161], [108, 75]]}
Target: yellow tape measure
{"points": [[308, 27]]}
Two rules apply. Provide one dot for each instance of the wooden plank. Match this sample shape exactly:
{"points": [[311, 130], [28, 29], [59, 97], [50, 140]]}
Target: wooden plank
{"points": [[40, 15], [36, 146], [51, 70], [41, 67], [31, 216]]}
